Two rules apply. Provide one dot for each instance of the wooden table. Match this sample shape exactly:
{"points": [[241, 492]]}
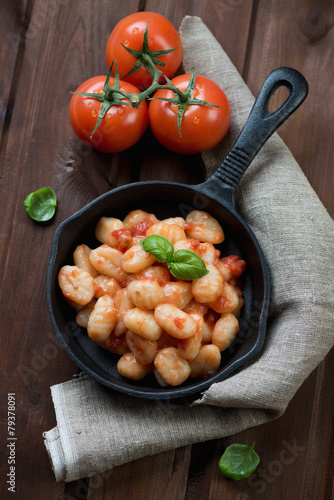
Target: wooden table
{"points": [[47, 48]]}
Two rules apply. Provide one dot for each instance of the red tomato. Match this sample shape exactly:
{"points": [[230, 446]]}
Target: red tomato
{"points": [[120, 128], [202, 128], [161, 36]]}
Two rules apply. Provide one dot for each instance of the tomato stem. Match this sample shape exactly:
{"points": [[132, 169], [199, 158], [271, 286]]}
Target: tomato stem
{"points": [[141, 56], [183, 99], [111, 96], [154, 85]]}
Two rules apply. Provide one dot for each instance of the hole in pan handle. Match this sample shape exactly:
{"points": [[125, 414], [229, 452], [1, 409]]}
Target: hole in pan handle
{"points": [[260, 125]]}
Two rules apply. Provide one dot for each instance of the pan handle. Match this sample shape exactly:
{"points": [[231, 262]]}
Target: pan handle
{"points": [[260, 125]]}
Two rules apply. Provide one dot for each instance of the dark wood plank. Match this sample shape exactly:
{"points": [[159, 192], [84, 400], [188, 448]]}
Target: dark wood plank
{"points": [[13, 25], [21, 360], [161, 476], [229, 21], [298, 34], [320, 449]]}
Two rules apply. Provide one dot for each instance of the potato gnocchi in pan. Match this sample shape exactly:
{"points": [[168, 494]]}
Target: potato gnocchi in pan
{"points": [[133, 306]]}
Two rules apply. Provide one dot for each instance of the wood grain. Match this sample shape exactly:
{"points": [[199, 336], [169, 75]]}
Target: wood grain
{"points": [[13, 24], [47, 50], [298, 34]]}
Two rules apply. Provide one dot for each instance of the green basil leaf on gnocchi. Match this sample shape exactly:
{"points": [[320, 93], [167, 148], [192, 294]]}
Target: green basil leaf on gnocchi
{"points": [[183, 264], [187, 265], [160, 247]]}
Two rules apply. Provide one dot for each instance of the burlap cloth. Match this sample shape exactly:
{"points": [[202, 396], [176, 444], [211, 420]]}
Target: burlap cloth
{"points": [[98, 429]]}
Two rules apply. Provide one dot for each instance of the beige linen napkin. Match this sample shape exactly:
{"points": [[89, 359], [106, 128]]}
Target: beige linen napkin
{"points": [[98, 429]]}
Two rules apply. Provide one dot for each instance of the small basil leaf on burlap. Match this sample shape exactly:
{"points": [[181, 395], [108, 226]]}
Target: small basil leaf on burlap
{"points": [[239, 461], [160, 247], [41, 204], [187, 265]]}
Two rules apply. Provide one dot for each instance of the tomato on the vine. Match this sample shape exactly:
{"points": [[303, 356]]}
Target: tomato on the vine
{"points": [[162, 36], [122, 125], [202, 127]]}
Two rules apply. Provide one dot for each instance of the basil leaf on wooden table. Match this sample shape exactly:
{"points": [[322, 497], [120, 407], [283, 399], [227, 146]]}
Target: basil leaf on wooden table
{"points": [[183, 264], [41, 204], [239, 461]]}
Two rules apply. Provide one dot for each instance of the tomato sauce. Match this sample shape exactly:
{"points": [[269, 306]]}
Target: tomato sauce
{"points": [[179, 322], [123, 239], [235, 265], [141, 228]]}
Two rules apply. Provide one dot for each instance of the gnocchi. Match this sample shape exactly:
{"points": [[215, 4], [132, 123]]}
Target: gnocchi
{"points": [[171, 367], [143, 323], [209, 287], [203, 227], [132, 306], [129, 366], [105, 228], [175, 321], [145, 293], [135, 259], [171, 232], [76, 284], [102, 319], [108, 261], [225, 331], [81, 259]]}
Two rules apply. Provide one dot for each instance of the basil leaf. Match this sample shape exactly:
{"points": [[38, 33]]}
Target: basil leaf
{"points": [[160, 247], [239, 461], [183, 264], [187, 265], [27, 202], [41, 204]]}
